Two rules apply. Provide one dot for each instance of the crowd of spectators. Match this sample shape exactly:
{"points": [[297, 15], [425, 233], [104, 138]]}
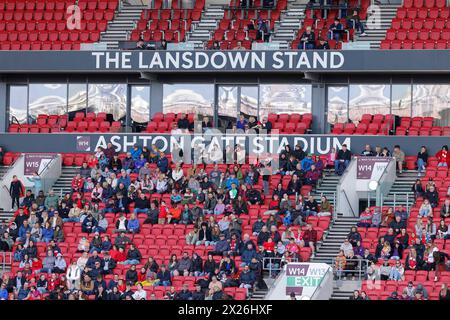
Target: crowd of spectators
{"points": [[113, 198]]}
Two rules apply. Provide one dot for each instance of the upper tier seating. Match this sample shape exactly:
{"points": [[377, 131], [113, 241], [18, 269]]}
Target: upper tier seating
{"points": [[45, 25], [419, 24], [170, 25]]}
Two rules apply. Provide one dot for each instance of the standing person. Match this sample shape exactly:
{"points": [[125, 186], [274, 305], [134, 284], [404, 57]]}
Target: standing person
{"points": [[36, 180], [422, 160], [16, 191]]}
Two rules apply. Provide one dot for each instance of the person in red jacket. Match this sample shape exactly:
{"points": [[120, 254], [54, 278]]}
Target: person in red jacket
{"points": [[443, 157], [77, 183], [269, 246], [310, 237]]}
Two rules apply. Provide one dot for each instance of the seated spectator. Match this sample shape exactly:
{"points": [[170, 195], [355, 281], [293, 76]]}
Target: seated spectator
{"points": [[323, 45], [325, 207], [443, 157], [399, 157], [133, 225], [343, 159], [354, 22], [422, 160], [418, 189], [365, 219], [336, 30], [425, 209], [307, 39], [346, 247]]}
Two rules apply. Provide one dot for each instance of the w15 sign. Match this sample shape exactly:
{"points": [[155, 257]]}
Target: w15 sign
{"points": [[36, 162], [304, 278], [371, 168]]}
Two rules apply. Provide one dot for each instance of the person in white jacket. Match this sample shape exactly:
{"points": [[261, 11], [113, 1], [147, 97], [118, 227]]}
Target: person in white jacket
{"points": [[73, 275], [140, 293]]}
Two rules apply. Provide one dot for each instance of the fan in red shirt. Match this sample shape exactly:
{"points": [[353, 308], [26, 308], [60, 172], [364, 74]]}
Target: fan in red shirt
{"points": [[443, 157], [269, 245], [77, 183], [310, 237]]}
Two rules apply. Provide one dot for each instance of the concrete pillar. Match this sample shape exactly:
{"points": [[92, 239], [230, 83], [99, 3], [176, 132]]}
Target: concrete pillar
{"points": [[318, 102], [3, 103]]}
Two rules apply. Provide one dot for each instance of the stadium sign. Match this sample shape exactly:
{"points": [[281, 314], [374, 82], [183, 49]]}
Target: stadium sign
{"points": [[122, 142], [304, 278], [152, 61]]}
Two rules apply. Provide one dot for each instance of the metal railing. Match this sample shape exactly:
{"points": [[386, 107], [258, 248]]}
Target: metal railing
{"points": [[359, 271], [270, 264]]}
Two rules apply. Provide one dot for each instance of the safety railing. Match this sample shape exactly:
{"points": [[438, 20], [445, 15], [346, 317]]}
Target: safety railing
{"points": [[357, 271], [275, 264]]}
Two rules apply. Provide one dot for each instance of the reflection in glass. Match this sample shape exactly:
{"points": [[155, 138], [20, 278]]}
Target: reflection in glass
{"points": [[401, 100], [18, 103], [47, 99], [140, 104], [432, 101], [77, 97], [189, 98], [368, 98], [109, 98], [284, 98], [249, 101], [337, 104], [227, 106]]}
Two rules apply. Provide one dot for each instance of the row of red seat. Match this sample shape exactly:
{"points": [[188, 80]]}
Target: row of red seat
{"points": [[57, 5], [424, 3], [52, 25], [230, 45], [422, 35], [418, 24], [409, 44], [50, 36], [423, 13], [47, 45], [10, 157], [58, 15]]}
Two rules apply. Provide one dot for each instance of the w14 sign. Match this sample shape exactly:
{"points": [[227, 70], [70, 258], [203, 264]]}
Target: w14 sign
{"points": [[371, 168], [304, 278]]}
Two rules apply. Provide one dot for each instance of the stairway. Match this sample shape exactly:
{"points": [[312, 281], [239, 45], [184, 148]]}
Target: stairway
{"points": [[259, 294], [375, 36], [327, 187], [400, 193], [63, 184], [202, 31], [339, 228], [123, 23], [3, 170], [343, 290], [290, 22]]}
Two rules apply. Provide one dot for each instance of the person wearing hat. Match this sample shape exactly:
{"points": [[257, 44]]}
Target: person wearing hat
{"points": [[60, 264], [222, 246]]}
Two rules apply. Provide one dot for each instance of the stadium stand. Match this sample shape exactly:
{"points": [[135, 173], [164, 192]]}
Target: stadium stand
{"points": [[37, 25], [419, 25]]}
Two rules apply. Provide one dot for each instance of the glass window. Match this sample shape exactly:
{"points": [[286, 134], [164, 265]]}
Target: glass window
{"points": [[368, 98], [189, 98], [432, 101], [227, 106], [47, 99], [249, 101], [284, 98], [77, 99], [401, 100], [110, 98], [140, 104], [337, 105], [18, 103]]}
